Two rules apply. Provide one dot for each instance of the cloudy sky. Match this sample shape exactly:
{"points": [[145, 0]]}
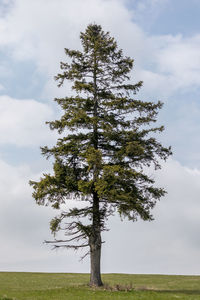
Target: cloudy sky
{"points": [[163, 36]]}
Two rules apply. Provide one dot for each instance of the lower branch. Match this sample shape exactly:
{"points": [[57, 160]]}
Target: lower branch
{"points": [[75, 247]]}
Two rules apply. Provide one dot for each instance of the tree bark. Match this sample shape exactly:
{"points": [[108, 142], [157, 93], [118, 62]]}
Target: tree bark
{"points": [[95, 244], [95, 260], [95, 238]]}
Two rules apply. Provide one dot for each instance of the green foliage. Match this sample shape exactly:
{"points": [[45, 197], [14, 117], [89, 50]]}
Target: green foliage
{"points": [[107, 144]]}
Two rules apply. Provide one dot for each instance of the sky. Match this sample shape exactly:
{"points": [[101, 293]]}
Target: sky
{"points": [[163, 37]]}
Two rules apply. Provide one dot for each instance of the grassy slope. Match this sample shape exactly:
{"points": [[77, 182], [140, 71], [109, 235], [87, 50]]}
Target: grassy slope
{"points": [[38, 286]]}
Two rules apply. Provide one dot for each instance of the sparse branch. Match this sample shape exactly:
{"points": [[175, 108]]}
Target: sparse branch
{"points": [[85, 255], [75, 247], [66, 241]]}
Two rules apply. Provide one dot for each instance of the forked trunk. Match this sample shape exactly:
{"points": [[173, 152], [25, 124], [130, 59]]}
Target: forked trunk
{"points": [[95, 260]]}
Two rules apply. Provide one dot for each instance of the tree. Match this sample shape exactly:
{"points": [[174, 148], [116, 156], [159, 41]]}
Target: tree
{"points": [[106, 145]]}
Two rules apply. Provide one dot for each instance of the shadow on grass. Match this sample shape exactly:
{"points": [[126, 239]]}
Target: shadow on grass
{"points": [[174, 291], [186, 292], [5, 298]]}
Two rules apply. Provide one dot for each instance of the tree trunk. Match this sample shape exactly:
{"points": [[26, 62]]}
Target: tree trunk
{"points": [[95, 238], [95, 244], [95, 260]]}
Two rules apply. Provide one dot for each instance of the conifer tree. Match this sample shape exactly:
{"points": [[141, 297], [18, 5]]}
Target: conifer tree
{"points": [[107, 143]]}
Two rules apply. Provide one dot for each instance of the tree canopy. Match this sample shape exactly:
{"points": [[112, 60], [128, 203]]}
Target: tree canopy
{"points": [[108, 141]]}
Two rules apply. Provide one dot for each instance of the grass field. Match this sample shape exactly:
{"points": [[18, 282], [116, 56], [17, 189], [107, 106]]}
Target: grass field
{"points": [[44, 286]]}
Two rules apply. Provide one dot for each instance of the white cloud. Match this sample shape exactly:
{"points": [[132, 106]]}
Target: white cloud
{"points": [[169, 64], [33, 31], [179, 58], [24, 226], [168, 245], [166, 63], [22, 122]]}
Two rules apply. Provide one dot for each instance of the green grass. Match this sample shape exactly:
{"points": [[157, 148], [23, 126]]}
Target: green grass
{"points": [[42, 286]]}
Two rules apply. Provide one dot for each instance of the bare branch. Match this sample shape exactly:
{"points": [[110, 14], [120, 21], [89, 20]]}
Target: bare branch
{"points": [[84, 256], [75, 247], [65, 241]]}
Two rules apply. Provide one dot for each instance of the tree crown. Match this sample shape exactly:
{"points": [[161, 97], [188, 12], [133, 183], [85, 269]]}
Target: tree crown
{"points": [[108, 143]]}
